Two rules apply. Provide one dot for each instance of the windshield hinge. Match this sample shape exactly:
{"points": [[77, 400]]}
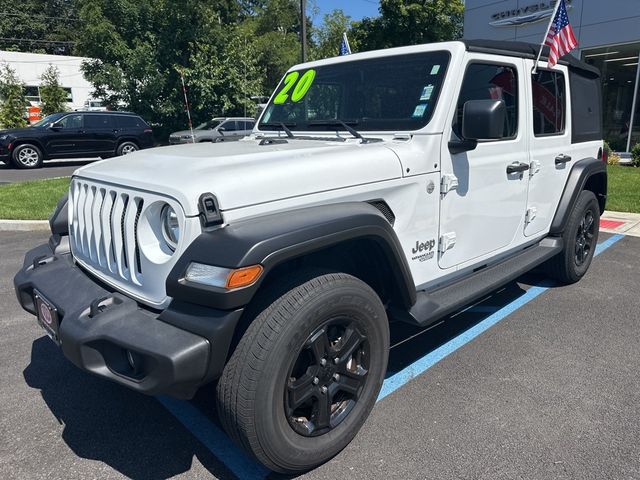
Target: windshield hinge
{"points": [[402, 136]]}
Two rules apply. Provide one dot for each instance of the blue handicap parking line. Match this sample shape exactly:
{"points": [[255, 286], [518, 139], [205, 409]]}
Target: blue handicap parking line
{"points": [[244, 467], [397, 380], [214, 439]]}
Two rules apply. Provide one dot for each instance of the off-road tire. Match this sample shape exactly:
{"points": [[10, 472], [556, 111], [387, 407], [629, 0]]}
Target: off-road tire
{"points": [[565, 267], [27, 156], [251, 392]]}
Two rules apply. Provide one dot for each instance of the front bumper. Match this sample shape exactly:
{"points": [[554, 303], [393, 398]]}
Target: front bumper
{"points": [[174, 351]]}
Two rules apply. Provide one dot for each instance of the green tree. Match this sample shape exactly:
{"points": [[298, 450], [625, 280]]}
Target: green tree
{"points": [[328, 36], [38, 26], [139, 46], [222, 82], [274, 26], [14, 103], [52, 96], [410, 22]]}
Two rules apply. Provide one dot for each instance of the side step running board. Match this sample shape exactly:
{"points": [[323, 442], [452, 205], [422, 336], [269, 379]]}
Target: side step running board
{"points": [[431, 305]]}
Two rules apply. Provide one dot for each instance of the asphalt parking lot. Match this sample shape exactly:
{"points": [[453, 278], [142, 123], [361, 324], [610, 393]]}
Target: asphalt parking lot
{"points": [[535, 381], [50, 169]]}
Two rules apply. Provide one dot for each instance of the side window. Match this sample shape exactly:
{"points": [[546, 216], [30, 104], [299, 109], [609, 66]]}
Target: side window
{"points": [[129, 121], [483, 81], [248, 125], [229, 126], [549, 103], [98, 121], [71, 121]]}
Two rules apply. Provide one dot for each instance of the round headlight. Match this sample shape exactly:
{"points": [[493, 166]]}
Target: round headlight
{"points": [[170, 226]]}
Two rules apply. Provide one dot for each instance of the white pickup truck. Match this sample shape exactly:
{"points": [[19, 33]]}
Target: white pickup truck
{"points": [[394, 185]]}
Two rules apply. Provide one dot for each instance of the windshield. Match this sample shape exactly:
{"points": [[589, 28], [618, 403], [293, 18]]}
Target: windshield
{"points": [[208, 125], [47, 120], [385, 93]]}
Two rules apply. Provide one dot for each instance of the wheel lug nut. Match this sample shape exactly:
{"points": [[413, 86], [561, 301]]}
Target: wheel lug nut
{"points": [[324, 389], [336, 360], [316, 380], [323, 362], [336, 377]]}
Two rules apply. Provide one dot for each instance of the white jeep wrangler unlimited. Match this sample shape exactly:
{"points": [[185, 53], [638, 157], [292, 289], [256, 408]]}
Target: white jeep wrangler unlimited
{"points": [[394, 185]]}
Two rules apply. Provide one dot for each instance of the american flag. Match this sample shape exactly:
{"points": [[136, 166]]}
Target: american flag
{"points": [[560, 37], [345, 49]]}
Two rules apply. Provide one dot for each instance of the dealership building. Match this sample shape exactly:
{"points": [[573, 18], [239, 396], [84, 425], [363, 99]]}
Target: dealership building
{"points": [[609, 36], [29, 67]]}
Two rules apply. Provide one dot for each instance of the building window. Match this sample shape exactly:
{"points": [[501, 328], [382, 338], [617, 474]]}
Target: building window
{"points": [[618, 66], [549, 104]]}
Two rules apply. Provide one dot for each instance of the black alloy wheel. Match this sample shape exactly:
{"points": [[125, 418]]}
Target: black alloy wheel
{"points": [[580, 239], [327, 378], [307, 371], [584, 238]]}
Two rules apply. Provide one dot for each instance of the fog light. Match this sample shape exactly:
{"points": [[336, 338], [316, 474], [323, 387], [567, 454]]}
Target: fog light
{"points": [[222, 277]]}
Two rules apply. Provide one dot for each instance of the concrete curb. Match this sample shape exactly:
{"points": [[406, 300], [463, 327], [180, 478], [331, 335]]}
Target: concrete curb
{"points": [[23, 225]]}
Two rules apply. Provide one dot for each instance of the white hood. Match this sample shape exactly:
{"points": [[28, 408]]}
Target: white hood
{"points": [[246, 173]]}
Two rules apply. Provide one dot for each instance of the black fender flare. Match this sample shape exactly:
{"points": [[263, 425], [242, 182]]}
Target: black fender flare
{"points": [[274, 238], [582, 174]]}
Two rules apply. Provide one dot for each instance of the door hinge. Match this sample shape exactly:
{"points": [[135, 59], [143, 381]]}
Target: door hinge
{"points": [[447, 242], [447, 183], [534, 167], [531, 214]]}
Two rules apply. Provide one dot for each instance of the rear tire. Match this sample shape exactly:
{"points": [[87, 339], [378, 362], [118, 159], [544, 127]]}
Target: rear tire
{"points": [[126, 148], [323, 343], [580, 240], [27, 156]]}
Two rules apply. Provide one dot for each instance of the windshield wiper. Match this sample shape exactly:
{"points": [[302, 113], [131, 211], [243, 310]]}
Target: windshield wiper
{"points": [[343, 124], [282, 126]]}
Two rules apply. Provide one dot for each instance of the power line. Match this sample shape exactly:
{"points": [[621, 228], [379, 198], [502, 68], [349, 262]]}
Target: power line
{"points": [[10, 14], [29, 40]]}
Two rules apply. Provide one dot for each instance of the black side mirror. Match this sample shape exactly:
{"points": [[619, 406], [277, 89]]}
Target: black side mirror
{"points": [[481, 120], [222, 130]]}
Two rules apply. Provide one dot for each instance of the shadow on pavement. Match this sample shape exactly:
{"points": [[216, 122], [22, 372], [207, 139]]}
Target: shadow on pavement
{"points": [[136, 436], [132, 433]]}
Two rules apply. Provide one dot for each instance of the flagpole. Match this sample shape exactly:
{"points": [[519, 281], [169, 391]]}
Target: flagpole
{"points": [[546, 32]]}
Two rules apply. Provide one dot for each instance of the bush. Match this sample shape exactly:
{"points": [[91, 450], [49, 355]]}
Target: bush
{"points": [[613, 159], [13, 107], [635, 155], [607, 149]]}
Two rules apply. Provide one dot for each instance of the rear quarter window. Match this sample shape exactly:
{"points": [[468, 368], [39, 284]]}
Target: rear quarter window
{"points": [[130, 121]]}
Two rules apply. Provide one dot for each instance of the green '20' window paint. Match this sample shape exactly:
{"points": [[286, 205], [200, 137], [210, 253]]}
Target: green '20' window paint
{"points": [[301, 86]]}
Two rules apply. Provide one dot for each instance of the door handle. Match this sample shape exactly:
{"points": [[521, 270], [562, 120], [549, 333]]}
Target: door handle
{"points": [[517, 167], [562, 158]]}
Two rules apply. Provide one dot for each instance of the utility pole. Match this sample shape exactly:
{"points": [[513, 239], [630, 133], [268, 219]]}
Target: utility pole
{"points": [[303, 29]]}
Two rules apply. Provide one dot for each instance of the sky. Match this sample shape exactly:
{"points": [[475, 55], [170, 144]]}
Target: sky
{"points": [[356, 9]]}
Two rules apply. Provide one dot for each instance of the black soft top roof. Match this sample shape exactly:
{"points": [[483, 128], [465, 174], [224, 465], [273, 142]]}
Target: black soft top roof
{"points": [[526, 50]]}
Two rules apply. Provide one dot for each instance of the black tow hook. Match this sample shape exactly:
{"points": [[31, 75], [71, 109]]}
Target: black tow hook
{"points": [[42, 260], [99, 305]]}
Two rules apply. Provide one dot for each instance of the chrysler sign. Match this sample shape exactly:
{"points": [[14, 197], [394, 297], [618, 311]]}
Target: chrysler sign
{"points": [[524, 15]]}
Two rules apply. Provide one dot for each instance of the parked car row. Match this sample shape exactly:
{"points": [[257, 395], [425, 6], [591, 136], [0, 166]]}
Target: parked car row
{"points": [[215, 130], [75, 135], [103, 134]]}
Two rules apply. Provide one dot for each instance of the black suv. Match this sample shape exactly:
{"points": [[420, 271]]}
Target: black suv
{"points": [[74, 135]]}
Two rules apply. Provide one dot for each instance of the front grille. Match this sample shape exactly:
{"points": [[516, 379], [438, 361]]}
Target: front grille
{"points": [[111, 235], [104, 229]]}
